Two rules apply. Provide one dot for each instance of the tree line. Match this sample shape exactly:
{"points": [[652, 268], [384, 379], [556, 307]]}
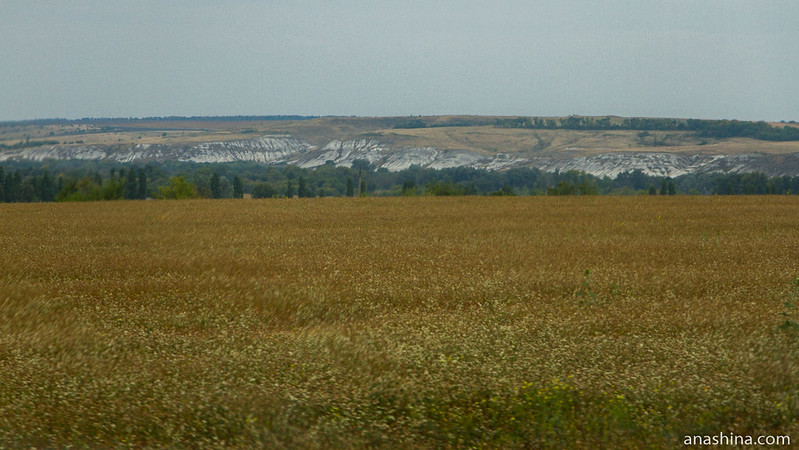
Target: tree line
{"points": [[112, 120], [26, 144], [237, 180], [704, 128]]}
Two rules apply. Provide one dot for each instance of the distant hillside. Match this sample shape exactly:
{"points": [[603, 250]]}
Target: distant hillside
{"points": [[597, 145]]}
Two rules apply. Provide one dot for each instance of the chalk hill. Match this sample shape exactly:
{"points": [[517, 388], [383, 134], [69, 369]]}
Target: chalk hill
{"points": [[398, 143]]}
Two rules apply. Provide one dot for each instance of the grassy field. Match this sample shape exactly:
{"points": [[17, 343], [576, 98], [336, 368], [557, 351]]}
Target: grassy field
{"points": [[406, 322]]}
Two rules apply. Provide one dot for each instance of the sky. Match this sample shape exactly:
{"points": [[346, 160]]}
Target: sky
{"points": [[708, 59]]}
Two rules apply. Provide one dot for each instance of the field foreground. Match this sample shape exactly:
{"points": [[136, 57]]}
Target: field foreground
{"points": [[411, 322]]}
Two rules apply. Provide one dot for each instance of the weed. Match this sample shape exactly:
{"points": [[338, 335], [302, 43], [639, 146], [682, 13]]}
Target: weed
{"points": [[789, 314], [585, 292]]}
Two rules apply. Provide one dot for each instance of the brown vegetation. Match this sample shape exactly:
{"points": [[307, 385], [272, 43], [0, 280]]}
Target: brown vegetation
{"points": [[537, 322]]}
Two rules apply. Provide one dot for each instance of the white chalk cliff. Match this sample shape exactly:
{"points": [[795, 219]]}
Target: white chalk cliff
{"points": [[284, 149]]}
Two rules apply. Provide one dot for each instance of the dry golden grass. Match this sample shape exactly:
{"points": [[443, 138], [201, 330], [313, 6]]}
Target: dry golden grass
{"points": [[490, 140], [411, 322]]}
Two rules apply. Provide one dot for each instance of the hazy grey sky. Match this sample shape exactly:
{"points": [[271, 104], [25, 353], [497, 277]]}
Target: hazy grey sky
{"points": [[731, 59]]}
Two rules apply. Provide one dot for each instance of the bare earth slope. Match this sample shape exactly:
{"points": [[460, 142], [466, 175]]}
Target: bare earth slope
{"points": [[386, 143]]}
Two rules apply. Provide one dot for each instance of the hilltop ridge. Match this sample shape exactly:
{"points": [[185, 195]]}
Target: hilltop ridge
{"points": [[600, 146]]}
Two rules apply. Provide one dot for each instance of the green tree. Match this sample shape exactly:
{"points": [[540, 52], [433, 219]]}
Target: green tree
{"points": [[178, 188], [225, 188], [444, 189], [264, 190], [238, 187], [350, 187], [113, 189], [142, 194], [216, 186], [289, 189], [201, 178], [80, 190], [12, 187], [131, 184], [409, 188], [46, 188], [28, 192], [562, 188], [506, 190], [587, 188], [302, 189]]}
